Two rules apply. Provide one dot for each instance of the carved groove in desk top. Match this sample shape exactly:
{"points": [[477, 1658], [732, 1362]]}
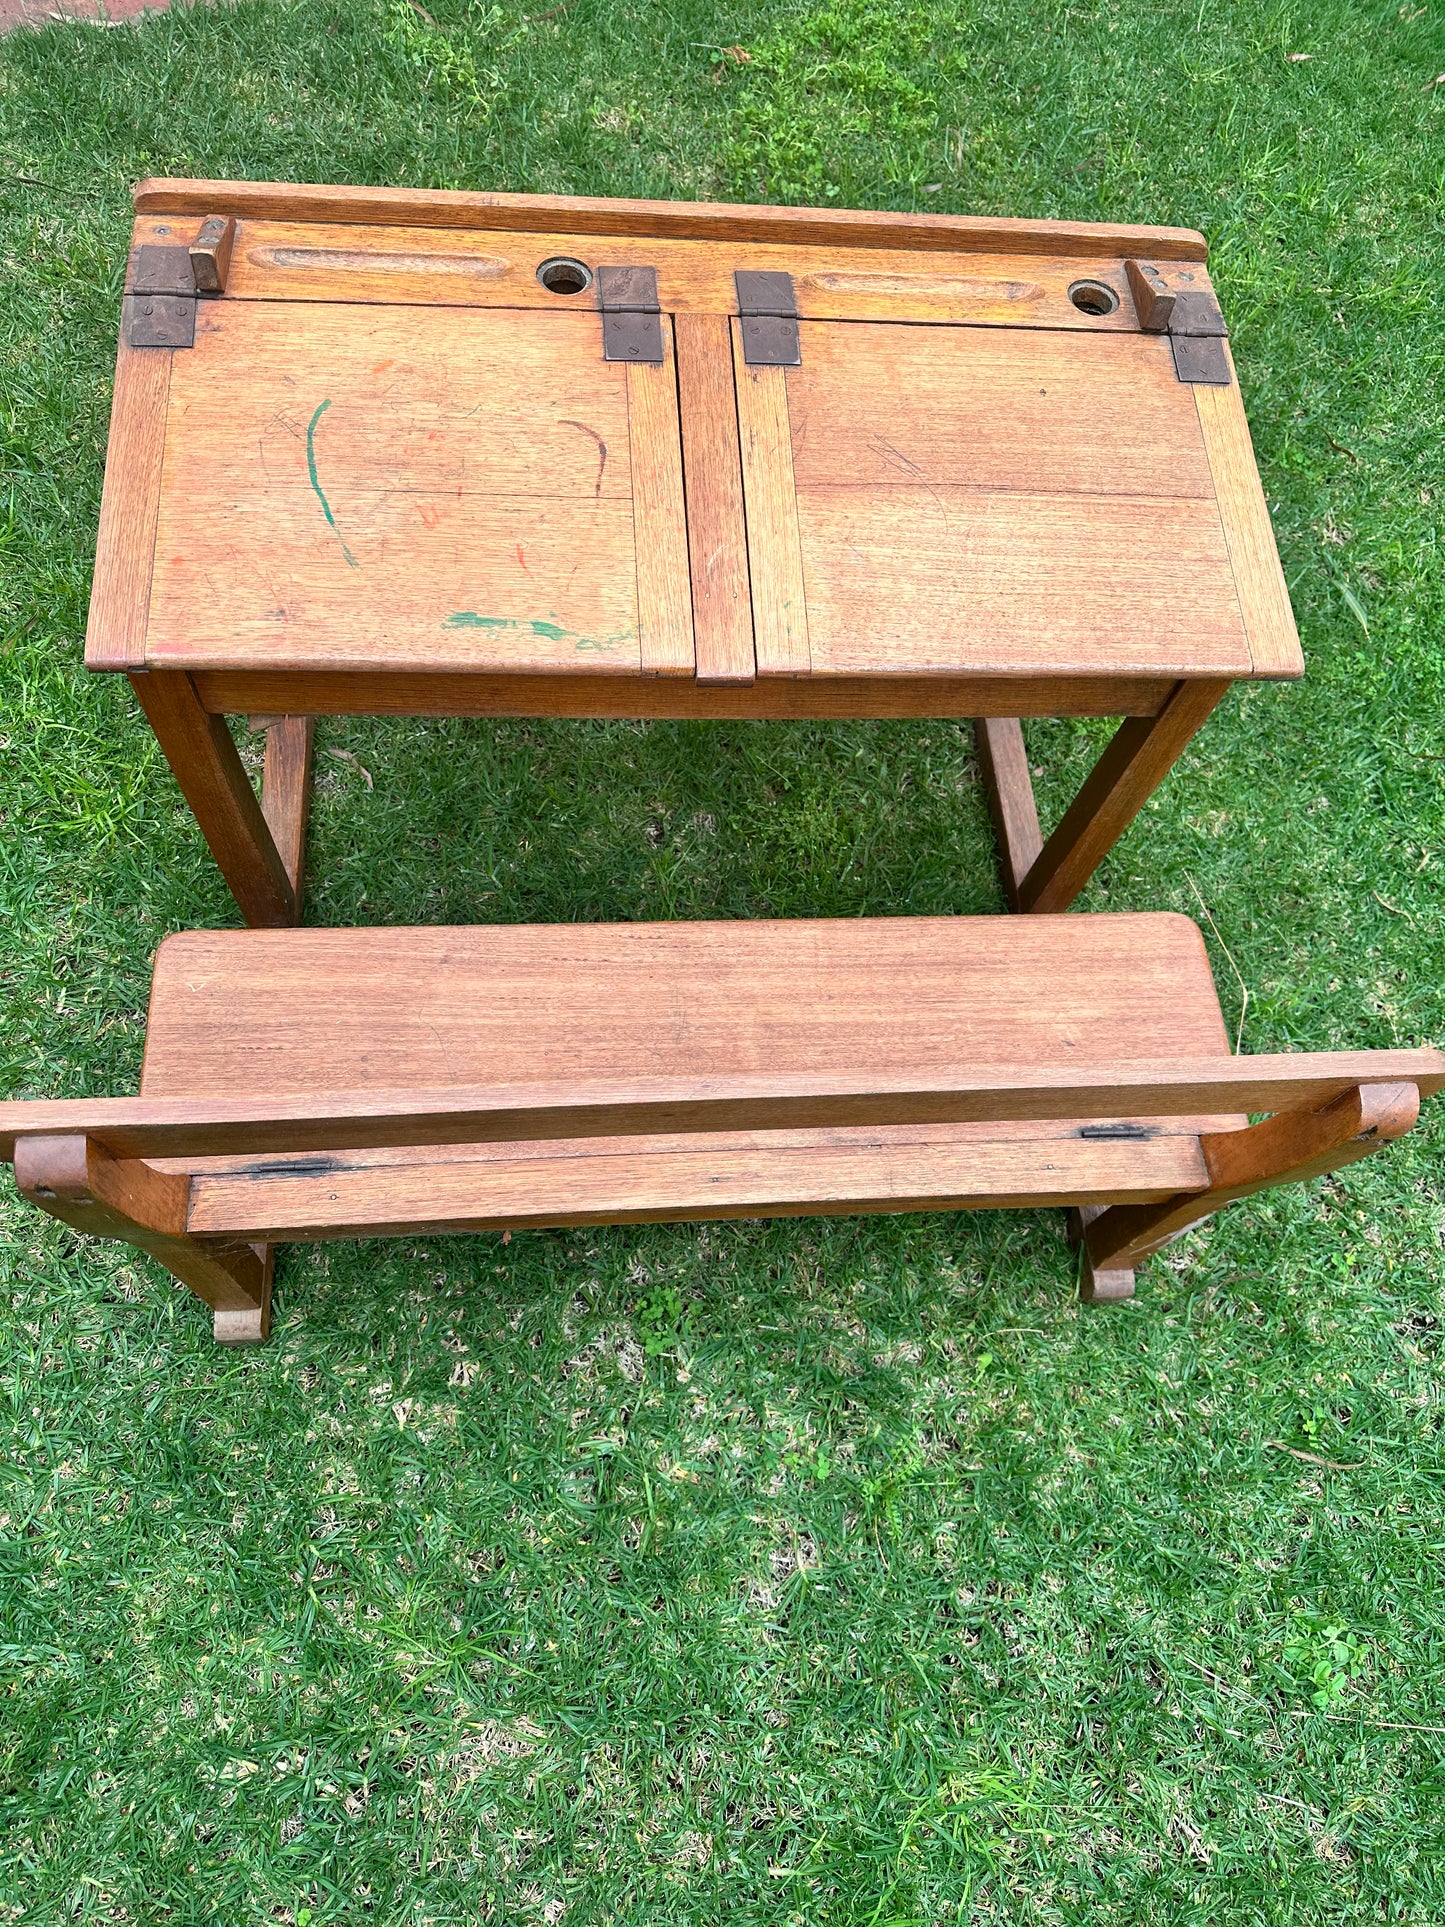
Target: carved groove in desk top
{"points": [[277, 261]]}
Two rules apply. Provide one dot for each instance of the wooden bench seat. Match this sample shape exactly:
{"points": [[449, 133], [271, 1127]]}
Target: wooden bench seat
{"points": [[270, 1012], [303, 1084]]}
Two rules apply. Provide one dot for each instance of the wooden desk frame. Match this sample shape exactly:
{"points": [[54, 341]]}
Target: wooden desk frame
{"points": [[259, 843]]}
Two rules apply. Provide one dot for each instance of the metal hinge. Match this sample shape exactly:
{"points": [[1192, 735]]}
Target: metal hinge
{"points": [[769, 311], [631, 316], [1189, 316], [160, 310], [160, 306]]}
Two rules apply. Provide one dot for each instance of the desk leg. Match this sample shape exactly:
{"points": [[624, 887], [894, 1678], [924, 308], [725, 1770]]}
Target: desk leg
{"points": [[214, 782], [999, 741], [1143, 751], [286, 793]]}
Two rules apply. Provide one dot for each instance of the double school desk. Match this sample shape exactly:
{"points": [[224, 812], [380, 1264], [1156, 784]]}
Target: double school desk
{"points": [[384, 452]]}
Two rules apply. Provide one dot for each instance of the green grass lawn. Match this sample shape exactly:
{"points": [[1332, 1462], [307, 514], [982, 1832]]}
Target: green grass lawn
{"points": [[830, 1572]]}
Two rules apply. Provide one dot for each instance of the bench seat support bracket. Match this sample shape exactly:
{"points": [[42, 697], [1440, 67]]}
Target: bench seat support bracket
{"points": [[1288, 1148], [76, 1181]]}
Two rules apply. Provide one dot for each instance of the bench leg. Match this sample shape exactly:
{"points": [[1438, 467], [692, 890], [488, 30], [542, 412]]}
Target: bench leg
{"points": [[1142, 752], [1098, 1285], [214, 782], [1284, 1149], [77, 1181]]}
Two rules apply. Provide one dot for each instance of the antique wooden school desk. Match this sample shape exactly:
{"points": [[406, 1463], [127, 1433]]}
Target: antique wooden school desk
{"points": [[384, 452]]}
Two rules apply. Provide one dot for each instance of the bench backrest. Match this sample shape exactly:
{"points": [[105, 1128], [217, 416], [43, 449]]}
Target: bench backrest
{"points": [[181, 1127]]}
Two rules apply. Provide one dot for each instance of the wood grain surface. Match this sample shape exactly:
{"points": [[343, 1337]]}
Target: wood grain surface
{"points": [[659, 516], [775, 556], [1285, 1149], [125, 547], [380, 458], [712, 476], [707, 220], [213, 780], [246, 1011], [266, 1043], [1138, 758], [307, 262], [990, 409], [75, 1180], [1047, 1135], [629, 1181], [414, 693], [982, 500], [1259, 580], [1004, 765], [1130, 1090], [398, 488], [286, 793], [904, 579]]}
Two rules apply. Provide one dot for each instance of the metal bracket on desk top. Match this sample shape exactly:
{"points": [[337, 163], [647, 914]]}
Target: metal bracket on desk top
{"points": [[211, 253], [160, 307], [1189, 316], [769, 311], [631, 317]]}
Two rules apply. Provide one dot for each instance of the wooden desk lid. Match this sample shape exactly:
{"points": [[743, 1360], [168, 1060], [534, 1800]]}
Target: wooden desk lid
{"points": [[395, 439]]}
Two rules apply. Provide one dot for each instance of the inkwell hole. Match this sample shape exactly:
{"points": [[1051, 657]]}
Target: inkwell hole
{"points": [[1093, 297], [564, 276]]}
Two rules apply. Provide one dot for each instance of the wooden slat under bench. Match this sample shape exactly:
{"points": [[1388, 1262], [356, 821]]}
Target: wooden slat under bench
{"points": [[716, 1175]]}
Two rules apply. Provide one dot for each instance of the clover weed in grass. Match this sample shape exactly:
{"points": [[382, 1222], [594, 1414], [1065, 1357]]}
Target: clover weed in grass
{"points": [[888, 1586], [1323, 1659]]}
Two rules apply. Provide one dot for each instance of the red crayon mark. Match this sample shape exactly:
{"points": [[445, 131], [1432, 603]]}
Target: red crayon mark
{"points": [[602, 446]]}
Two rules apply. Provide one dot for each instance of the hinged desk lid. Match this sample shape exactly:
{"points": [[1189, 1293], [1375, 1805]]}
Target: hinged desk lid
{"points": [[383, 486], [445, 433], [1008, 501]]}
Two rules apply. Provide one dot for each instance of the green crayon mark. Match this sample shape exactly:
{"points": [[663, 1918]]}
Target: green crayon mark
{"points": [[550, 631], [469, 619], [311, 465]]}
